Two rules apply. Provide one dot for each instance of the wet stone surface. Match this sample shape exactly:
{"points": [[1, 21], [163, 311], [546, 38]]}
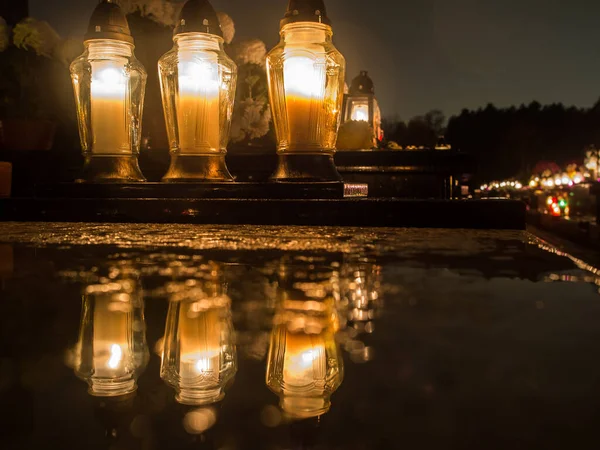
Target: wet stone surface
{"points": [[447, 338]]}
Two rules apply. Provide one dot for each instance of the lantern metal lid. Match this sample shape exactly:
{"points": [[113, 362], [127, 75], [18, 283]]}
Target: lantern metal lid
{"points": [[108, 21], [198, 16], [306, 11], [362, 85]]}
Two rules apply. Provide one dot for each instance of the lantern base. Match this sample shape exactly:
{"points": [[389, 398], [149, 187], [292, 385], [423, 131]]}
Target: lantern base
{"points": [[305, 407], [197, 168], [199, 397], [310, 167], [111, 169], [111, 388]]}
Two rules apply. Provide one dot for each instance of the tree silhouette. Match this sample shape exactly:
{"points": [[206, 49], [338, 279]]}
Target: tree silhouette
{"points": [[508, 142]]}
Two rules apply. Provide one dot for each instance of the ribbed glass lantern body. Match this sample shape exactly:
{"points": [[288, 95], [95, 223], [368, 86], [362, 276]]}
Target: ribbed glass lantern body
{"points": [[112, 348], [199, 357], [305, 365], [109, 84], [306, 86], [198, 82]]}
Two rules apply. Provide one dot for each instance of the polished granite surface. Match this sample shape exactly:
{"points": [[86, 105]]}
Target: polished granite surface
{"points": [[452, 339]]}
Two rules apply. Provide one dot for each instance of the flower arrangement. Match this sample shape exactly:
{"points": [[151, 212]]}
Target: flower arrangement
{"points": [[165, 13], [252, 114], [159, 11], [31, 69], [35, 93], [37, 36], [355, 135]]}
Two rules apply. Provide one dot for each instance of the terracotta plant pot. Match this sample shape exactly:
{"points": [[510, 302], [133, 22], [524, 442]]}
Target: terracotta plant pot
{"points": [[5, 179], [27, 134]]}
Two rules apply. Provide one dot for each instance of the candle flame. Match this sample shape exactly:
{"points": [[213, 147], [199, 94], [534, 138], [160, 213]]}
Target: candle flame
{"points": [[116, 354]]}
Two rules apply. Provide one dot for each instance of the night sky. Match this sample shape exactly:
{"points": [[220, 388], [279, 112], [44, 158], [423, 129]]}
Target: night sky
{"points": [[426, 54]]}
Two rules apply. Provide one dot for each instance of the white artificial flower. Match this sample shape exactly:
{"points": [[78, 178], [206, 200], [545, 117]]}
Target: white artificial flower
{"points": [[253, 122], [250, 51], [68, 49], [36, 35], [227, 26], [4, 35], [160, 11]]}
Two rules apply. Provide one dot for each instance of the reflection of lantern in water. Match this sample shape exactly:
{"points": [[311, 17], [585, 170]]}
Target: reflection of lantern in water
{"points": [[360, 292], [306, 85], [109, 85], [591, 162], [112, 349], [304, 365], [199, 356], [198, 83]]}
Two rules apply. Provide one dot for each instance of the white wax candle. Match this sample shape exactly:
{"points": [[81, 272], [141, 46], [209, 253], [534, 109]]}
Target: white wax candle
{"points": [[304, 81], [198, 102], [110, 126]]}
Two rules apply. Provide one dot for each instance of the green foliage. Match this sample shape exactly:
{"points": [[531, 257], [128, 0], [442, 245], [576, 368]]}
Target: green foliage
{"points": [[31, 85], [355, 135], [510, 142], [420, 131]]}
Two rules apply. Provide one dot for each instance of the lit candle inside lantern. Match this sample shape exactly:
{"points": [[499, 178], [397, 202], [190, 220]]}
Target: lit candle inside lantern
{"points": [[304, 80], [306, 84], [111, 351], [198, 104], [360, 112], [109, 108]]}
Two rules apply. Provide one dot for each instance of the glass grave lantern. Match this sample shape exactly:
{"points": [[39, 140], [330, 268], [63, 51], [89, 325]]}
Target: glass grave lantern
{"points": [[442, 144], [361, 105], [305, 365], [306, 87], [198, 82], [112, 350], [199, 355], [109, 84]]}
